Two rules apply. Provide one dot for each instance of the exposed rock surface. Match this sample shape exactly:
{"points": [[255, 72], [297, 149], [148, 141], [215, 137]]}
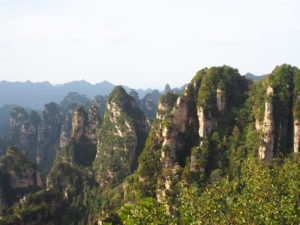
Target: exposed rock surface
{"points": [[49, 135], [266, 150], [121, 138], [296, 127], [24, 130], [181, 134]]}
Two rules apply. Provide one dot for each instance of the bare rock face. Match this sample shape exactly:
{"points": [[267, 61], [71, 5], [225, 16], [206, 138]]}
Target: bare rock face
{"points": [[177, 126], [85, 126], [49, 135], [180, 122], [94, 121], [170, 144], [79, 124], [296, 129], [221, 100], [66, 128], [206, 124], [181, 137], [266, 150], [296, 134]]}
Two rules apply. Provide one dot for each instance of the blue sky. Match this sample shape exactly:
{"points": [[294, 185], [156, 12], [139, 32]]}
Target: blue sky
{"points": [[144, 43]]}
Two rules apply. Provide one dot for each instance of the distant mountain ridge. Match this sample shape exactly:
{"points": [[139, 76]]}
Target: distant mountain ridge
{"points": [[36, 95], [255, 77]]}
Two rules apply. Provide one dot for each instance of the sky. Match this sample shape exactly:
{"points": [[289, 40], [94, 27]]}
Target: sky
{"points": [[144, 43]]}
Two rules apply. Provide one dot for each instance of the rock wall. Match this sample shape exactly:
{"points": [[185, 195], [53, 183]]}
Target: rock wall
{"points": [[296, 127], [122, 137], [266, 127]]}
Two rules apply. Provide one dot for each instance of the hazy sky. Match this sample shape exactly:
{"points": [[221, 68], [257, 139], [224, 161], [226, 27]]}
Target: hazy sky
{"points": [[144, 43]]}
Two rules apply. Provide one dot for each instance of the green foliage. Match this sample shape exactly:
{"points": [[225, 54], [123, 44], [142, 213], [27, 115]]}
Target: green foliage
{"points": [[258, 196], [121, 139], [149, 166], [168, 101], [15, 162], [226, 79], [35, 207], [148, 211]]}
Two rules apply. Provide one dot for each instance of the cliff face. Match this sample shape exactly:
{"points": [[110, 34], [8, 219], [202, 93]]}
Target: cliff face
{"points": [[24, 130], [278, 126], [296, 124], [181, 136], [67, 173], [67, 105], [42, 136], [18, 176], [121, 138], [85, 126], [266, 150], [49, 135]]}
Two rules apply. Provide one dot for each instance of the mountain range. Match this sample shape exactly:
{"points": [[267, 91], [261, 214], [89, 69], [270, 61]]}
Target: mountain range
{"points": [[36, 95]]}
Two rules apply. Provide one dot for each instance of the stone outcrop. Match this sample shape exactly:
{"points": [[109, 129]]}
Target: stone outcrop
{"points": [[24, 130], [166, 104], [296, 128], [185, 126], [221, 100], [206, 123], [266, 149], [121, 138], [18, 176], [86, 125], [49, 135]]}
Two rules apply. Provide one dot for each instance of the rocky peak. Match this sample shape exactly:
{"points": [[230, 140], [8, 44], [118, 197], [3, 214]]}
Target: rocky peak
{"points": [[296, 123], [166, 103], [85, 126], [49, 134], [74, 99], [221, 100], [185, 125], [149, 104], [79, 123], [167, 88], [266, 150], [277, 112], [24, 130], [121, 138]]}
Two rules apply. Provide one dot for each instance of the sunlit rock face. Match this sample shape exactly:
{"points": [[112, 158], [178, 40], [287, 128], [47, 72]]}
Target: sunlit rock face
{"points": [[266, 150]]}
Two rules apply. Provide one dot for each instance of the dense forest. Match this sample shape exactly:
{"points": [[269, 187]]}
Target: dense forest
{"points": [[225, 150]]}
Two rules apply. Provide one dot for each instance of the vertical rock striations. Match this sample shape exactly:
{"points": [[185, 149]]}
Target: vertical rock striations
{"points": [[266, 150], [180, 138], [121, 138], [277, 112], [49, 135]]}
